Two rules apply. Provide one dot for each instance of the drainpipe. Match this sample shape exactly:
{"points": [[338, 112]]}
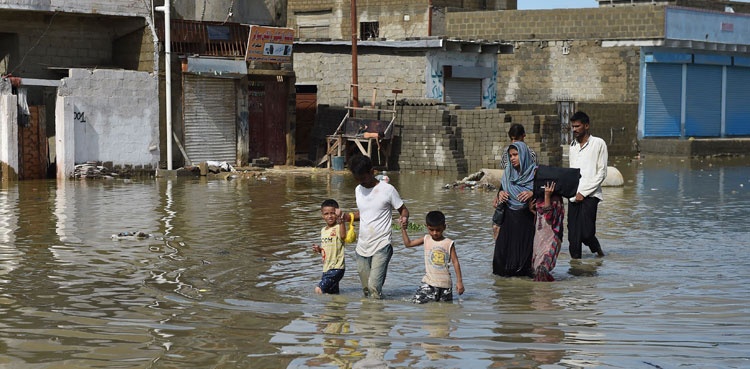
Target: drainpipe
{"points": [[355, 78], [168, 75], [429, 19]]}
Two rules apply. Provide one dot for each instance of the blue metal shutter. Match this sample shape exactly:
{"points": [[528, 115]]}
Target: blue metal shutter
{"points": [[703, 104], [663, 98], [738, 101]]}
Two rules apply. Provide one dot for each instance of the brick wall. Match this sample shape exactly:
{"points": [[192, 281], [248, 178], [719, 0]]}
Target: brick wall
{"points": [[559, 24], [110, 7], [616, 124], [439, 138], [329, 68], [32, 145], [539, 71], [135, 51], [71, 41], [390, 14]]}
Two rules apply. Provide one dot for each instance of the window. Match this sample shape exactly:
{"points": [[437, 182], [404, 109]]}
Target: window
{"points": [[368, 30], [312, 25]]}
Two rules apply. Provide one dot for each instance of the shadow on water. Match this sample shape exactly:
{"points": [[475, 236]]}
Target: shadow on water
{"points": [[228, 279]]}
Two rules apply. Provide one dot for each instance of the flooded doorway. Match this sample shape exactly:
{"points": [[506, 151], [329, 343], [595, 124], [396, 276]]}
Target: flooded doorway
{"points": [[268, 120], [307, 104]]}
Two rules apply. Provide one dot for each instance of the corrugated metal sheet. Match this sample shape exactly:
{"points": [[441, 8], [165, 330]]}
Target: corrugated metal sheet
{"points": [[738, 101], [703, 104], [209, 106], [466, 92], [663, 100]]}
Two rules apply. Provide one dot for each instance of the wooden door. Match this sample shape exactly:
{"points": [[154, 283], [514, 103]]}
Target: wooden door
{"points": [[307, 104]]}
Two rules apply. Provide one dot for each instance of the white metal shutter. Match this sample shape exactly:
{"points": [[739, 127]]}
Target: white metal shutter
{"points": [[466, 92], [209, 106]]}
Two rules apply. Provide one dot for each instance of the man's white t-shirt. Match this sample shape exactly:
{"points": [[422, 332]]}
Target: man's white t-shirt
{"points": [[375, 207]]}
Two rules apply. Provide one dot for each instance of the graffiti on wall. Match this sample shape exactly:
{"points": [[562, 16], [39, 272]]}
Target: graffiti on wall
{"points": [[489, 94], [79, 116], [435, 79]]}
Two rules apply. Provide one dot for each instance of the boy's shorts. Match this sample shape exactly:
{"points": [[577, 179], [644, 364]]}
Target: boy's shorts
{"points": [[426, 293], [329, 283]]}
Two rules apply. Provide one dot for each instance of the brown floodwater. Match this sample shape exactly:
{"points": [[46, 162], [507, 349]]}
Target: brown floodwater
{"points": [[227, 281]]}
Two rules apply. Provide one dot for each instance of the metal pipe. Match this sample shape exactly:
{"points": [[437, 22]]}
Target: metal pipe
{"points": [[355, 77], [168, 75], [429, 19]]}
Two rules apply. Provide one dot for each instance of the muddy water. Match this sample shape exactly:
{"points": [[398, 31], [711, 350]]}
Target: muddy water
{"points": [[233, 288]]}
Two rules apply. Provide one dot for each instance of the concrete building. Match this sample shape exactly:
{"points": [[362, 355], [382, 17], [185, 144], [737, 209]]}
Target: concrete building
{"points": [[402, 46], [606, 60], [224, 107], [87, 71]]}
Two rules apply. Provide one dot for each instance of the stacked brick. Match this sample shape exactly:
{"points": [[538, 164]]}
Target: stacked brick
{"points": [[428, 140], [438, 138], [484, 132]]}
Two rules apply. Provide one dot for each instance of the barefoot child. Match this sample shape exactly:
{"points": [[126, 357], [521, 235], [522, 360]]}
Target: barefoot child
{"points": [[436, 283], [331, 248]]}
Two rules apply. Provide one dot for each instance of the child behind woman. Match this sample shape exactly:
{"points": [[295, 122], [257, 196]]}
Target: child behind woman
{"points": [[439, 253], [548, 236]]}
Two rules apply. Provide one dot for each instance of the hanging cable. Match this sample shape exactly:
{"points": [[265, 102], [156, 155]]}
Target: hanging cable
{"points": [[35, 44]]}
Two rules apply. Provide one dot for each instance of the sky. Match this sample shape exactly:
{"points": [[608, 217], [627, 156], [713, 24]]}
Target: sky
{"points": [[554, 4]]}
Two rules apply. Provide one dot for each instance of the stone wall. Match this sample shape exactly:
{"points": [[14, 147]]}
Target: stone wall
{"points": [[540, 72], [107, 116], [640, 22], [329, 68]]}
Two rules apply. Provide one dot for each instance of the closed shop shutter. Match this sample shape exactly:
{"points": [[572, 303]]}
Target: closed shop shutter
{"points": [[738, 101], [466, 92], [210, 119], [663, 100], [703, 104]]}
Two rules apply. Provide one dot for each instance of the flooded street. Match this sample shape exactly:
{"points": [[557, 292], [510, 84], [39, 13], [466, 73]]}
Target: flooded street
{"points": [[231, 283]]}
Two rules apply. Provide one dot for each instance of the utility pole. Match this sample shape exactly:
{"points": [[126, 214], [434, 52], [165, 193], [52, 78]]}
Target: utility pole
{"points": [[355, 78]]}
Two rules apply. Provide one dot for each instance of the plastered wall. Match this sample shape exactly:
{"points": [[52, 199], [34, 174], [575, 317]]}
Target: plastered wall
{"points": [[107, 116]]}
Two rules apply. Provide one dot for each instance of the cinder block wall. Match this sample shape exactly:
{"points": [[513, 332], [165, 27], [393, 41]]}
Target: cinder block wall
{"points": [[71, 41], [639, 22], [539, 72], [616, 124], [114, 117], [389, 14], [437, 138], [330, 69], [110, 7]]}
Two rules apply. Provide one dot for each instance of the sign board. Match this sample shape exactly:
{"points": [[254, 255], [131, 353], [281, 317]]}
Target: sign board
{"points": [[270, 44]]}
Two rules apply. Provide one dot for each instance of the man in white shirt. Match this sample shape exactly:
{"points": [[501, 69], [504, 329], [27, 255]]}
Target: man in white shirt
{"points": [[375, 203], [589, 154]]}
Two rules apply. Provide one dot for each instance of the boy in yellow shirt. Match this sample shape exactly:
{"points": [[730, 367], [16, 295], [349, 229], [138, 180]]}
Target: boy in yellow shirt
{"points": [[331, 248]]}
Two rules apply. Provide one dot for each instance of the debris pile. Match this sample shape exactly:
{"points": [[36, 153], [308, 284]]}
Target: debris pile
{"points": [[90, 170], [479, 180]]}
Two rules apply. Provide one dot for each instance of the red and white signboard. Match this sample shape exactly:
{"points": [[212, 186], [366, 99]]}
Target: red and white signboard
{"points": [[270, 44]]}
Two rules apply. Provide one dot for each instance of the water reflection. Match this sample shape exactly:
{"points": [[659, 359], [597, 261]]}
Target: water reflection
{"points": [[231, 283]]}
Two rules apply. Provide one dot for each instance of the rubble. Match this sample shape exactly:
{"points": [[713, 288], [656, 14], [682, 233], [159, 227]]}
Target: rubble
{"points": [[90, 170], [486, 179]]}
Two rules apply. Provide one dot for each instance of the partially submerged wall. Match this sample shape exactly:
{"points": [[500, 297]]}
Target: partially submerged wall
{"points": [[433, 137], [8, 137], [107, 116]]}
